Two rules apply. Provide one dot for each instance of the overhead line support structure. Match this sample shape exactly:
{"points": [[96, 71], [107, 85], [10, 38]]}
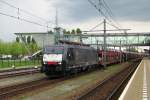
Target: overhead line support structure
{"points": [[105, 43]]}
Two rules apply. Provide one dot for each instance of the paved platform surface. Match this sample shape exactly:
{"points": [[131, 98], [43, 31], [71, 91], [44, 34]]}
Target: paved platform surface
{"points": [[138, 88]]}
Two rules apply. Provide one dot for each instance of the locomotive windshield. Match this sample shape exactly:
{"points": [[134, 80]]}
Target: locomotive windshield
{"points": [[54, 50]]}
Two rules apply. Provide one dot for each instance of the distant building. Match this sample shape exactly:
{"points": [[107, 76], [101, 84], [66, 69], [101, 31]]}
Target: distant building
{"points": [[48, 38], [41, 38]]}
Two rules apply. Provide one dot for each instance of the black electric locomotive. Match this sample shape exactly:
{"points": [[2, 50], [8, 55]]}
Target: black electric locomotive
{"points": [[64, 59]]}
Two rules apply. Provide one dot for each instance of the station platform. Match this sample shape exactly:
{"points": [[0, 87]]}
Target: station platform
{"points": [[138, 87]]}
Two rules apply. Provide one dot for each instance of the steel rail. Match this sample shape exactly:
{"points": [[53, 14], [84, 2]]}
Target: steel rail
{"points": [[102, 83]]}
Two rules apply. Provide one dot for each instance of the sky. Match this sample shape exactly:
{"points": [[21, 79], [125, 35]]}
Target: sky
{"points": [[130, 14]]}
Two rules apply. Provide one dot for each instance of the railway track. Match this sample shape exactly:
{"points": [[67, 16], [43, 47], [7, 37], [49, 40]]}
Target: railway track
{"points": [[9, 91], [110, 88], [17, 72], [13, 90]]}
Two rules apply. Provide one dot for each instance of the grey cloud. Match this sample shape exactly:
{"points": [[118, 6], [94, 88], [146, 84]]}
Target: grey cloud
{"points": [[135, 10], [75, 10], [70, 11], [81, 10]]}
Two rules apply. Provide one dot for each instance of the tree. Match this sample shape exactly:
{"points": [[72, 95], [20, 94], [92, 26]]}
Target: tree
{"points": [[12, 48], [33, 47], [33, 41], [16, 49], [24, 39], [23, 49], [73, 31], [17, 39], [29, 39], [78, 31], [64, 31], [68, 32], [6, 48], [1, 48], [50, 32]]}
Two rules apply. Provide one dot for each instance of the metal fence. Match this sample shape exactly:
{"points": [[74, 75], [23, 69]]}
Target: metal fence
{"points": [[8, 63]]}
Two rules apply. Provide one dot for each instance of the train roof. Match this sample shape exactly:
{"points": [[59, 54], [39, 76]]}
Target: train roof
{"points": [[72, 43], [70, 46]]}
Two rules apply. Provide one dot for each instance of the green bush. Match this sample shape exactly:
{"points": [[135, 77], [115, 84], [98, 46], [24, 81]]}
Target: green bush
{"points": [[16, 48]]}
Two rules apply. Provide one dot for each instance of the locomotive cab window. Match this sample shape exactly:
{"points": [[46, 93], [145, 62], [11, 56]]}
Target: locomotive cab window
{"points": [[54, 50]]}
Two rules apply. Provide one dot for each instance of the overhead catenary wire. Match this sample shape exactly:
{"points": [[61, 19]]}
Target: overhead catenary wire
{"points": [[109, 15], [119, 29], [113, 25], [24, 11], [96, 26], [106, 12], [22, 19], [105, 5], [99, 10]]}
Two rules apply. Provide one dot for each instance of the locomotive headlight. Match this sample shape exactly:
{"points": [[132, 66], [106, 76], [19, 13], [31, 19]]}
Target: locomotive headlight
{"points": [[59, 63], [44, 62]]}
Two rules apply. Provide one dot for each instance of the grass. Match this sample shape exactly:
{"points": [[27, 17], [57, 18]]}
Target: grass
{"points": [[18, 63]]}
